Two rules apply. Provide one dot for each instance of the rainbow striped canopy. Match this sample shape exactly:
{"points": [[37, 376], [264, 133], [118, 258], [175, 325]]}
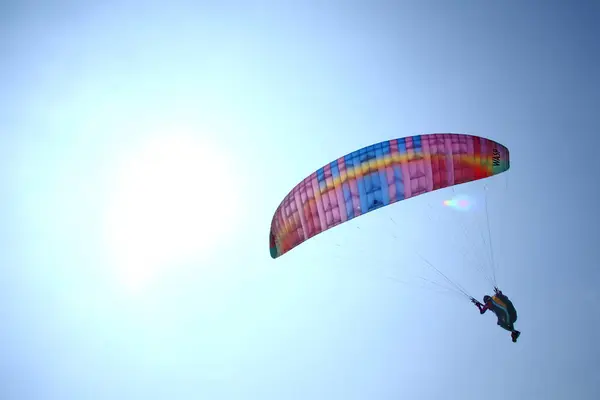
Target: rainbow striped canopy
{"points": [[379, 175]]}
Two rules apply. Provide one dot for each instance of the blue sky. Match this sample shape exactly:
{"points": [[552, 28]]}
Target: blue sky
{"points": [[144, 148]]}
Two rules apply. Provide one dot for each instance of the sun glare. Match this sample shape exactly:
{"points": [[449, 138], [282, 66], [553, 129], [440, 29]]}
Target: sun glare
{"points": [[174, 201], [459, 203]]}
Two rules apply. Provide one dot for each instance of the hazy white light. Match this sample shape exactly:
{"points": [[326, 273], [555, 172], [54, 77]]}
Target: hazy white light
{"points": [[175, 200]]}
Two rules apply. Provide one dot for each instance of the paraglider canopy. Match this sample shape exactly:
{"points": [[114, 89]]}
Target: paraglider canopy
{"points": [[377, 176]]}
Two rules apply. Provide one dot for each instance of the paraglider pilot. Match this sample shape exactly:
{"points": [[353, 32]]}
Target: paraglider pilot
{"points": [[504, 310]]}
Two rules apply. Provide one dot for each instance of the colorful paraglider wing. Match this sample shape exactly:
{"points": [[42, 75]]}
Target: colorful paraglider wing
{"points": [[377, 176]]}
